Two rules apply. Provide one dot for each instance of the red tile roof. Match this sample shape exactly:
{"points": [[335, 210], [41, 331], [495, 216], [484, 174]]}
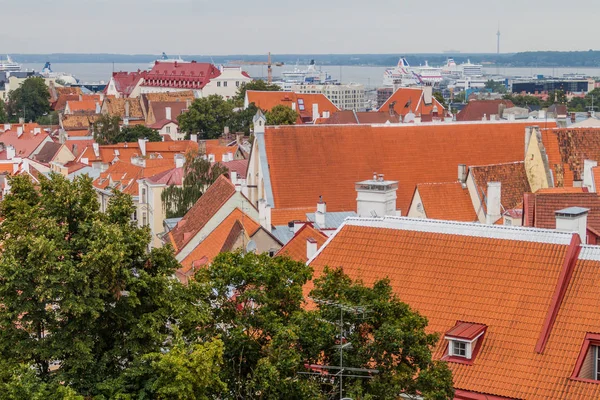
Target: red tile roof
{"points": [[158, 150], [123, 176], [266, 100], [281, 216], [358, 117], [449, 201], [82, 106], [125, 82], [159, 109], [204, 209], [239, 166], [26, 143], [466, 330], [509, 285], [328, 160], [221, 239], [193, 75], [475, 110], [411, 100], [172, 176], [296, 247], [218, 148], [513, 179], [62, 100], [544, 206]]}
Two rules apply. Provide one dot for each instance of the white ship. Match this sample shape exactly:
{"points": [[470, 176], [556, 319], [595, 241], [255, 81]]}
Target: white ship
{"points": [[430, 75], [310, 75], [165, 58], [65, 78], [469, 69], [401, 75], [9, 65]]}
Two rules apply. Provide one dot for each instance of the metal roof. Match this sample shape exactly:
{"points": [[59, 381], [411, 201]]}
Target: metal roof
{"points": [[333, 220]]}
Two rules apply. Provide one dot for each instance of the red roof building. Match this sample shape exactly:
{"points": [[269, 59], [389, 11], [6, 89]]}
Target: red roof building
{"points": [[415, 103], [310, 107], [477, 110], [125, 84]]}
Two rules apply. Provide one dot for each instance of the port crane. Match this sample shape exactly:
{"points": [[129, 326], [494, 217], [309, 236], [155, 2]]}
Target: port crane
{"points": [[268, 63]]}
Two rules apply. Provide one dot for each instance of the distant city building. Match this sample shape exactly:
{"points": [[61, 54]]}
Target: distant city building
{"points": [[383, 94], [548, 85], [345, 97]]}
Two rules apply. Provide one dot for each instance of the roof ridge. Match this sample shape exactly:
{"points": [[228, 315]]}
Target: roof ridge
{"points": [[526, 234], [493, 165]]}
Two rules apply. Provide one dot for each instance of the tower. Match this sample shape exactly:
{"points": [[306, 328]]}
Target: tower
{"points": [[498, 43]]}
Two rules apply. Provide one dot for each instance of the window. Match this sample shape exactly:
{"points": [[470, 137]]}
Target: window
{"points": [[237, 83], [144, 219], [301, 104], [168, 129], [225, 84], [459, 349], [218, 84], [143, 195], [587, 368]]}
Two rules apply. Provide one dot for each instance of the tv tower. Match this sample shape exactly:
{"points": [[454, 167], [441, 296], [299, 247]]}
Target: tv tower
{"points": [[498, 44]]}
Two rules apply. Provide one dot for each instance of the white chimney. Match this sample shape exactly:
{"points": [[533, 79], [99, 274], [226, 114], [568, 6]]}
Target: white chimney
{"points": [[315, 111], [98, 108], [142, 144], [326, 114], [264, 214], [179, 160], [230, 156], [542, 114], [588, 178], [233, 177], [297, 225], [6, 127], [376, 197], [484, 118], [224, 158], [294, 105], [36, 131], [311, 248], [573, 219], [10, 152], [492, 202], [85, 160], [168, 113], [320, 214], [96, 148], [126, 109], [462, 173], [19, 131], [194, 137], [428, 94]]}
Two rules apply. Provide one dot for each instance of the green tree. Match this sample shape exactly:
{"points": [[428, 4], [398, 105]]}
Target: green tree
{"points": [[555, 97], [30, 101], [495, 87], [133, 133], [3, 114], [281, 115], [523, 100], [80, 290], [106, 129], [198, 175], [460, 97], [242, 119], [259, 85], [268, 335], [49, 119], [207, 117], [440, 97], [18, 381]]}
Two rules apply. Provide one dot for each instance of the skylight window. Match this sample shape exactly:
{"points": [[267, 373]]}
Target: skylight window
{"points": [[301, 104]]}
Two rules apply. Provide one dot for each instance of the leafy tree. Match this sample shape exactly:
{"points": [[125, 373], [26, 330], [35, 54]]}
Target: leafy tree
{"points": [[3, 114], [133, 133], [523, 100], [242, 119], [18, 381], [590, 101], [460, 97], [80, 291], [268, 335], [30, 101], [207, 117], [260, 85], [556, 97], [49, 119], [198, 175], [495, 87], [106, 129], [281, 115], [440, 97]]}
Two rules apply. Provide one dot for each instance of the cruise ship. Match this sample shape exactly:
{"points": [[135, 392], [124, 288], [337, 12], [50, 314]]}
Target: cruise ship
{"points": [[9, 65], [310, 75], [404, 75], [165, 58], [67, 79], [468, 69]]}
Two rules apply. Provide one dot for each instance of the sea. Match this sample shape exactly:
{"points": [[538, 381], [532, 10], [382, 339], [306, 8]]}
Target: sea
{"points": [[369, 76]]}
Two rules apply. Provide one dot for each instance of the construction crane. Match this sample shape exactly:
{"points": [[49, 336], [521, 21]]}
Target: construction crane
{"points": [[268, 63]]}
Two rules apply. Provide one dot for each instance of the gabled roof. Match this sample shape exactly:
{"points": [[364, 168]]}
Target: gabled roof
{"points": [[222, 238], [544, 206], [61, 102], [303, 103], [411, 100], [328, 160], [205, 208], [159, 109], [507, 279], [118, 106], [570, 147], [125, 151], [239, 166], [192, 75], [296, 247], [219, 148], [123, 176], [448, 201], [513, 179], [172, 176], [475, 110], [26, 143], [82, 106], [125, 82], [47, 152], [77, 122]]}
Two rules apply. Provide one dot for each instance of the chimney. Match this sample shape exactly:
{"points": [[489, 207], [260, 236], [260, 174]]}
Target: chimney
{"points": [[391, 109], [179, 160], [311, 248], [588, 179], [484, 117], [36, 131], [127, 109], [573, 117], [462, 174], [573, 219], [493, 203], [298, 225], [194, 137], [315, 111], [264, 214], [168, 113], [142, 144], [542, 114], [501, 108], [225, 130], [326, 114], [294, 105], [428, 94], [21, 120], [96, 149], [376, 197], [233, 175], [320, 214], [229, 156], [10, 152], [98, 109], [19, 131], [6, 127]]}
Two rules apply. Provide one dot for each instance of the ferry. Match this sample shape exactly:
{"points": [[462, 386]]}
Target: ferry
{"points": [[165, 58], [430, 75], [402, 75], [470, 69], [310, 75], [9, 65], [67, 79]]}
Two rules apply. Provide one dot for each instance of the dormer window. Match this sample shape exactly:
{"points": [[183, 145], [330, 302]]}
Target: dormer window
{"points": [[464, 341], [587, 368]]}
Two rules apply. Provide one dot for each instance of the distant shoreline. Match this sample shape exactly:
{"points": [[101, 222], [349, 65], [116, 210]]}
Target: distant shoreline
{"points": [[577, 59]]}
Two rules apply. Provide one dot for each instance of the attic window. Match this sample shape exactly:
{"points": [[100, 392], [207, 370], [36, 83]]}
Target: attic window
{"points": [[464, 342], [301, 104], [587, 368]]}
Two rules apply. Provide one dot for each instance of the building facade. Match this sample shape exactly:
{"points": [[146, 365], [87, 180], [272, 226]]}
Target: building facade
{"points": [[345, 97]]}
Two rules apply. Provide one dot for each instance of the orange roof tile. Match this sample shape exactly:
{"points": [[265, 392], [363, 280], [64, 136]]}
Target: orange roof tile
{"points": [[123, 176], [61, 102], [220, 239], [154, 150], [411, 99], [205, 208], [266, 100], [475, 110], [219, 149], [80, 106], [451, 272], [77, 122], [449, 201], [544, 206], [281, 216], [117, 107], [513, 179], [328, 160], [296, 247]]}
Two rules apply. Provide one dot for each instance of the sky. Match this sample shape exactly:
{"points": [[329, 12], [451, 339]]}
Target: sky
{"points": [[222, 27]]}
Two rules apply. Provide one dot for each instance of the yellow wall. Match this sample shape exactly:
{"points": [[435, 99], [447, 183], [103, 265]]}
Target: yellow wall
{"points": [[534, 163]]}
